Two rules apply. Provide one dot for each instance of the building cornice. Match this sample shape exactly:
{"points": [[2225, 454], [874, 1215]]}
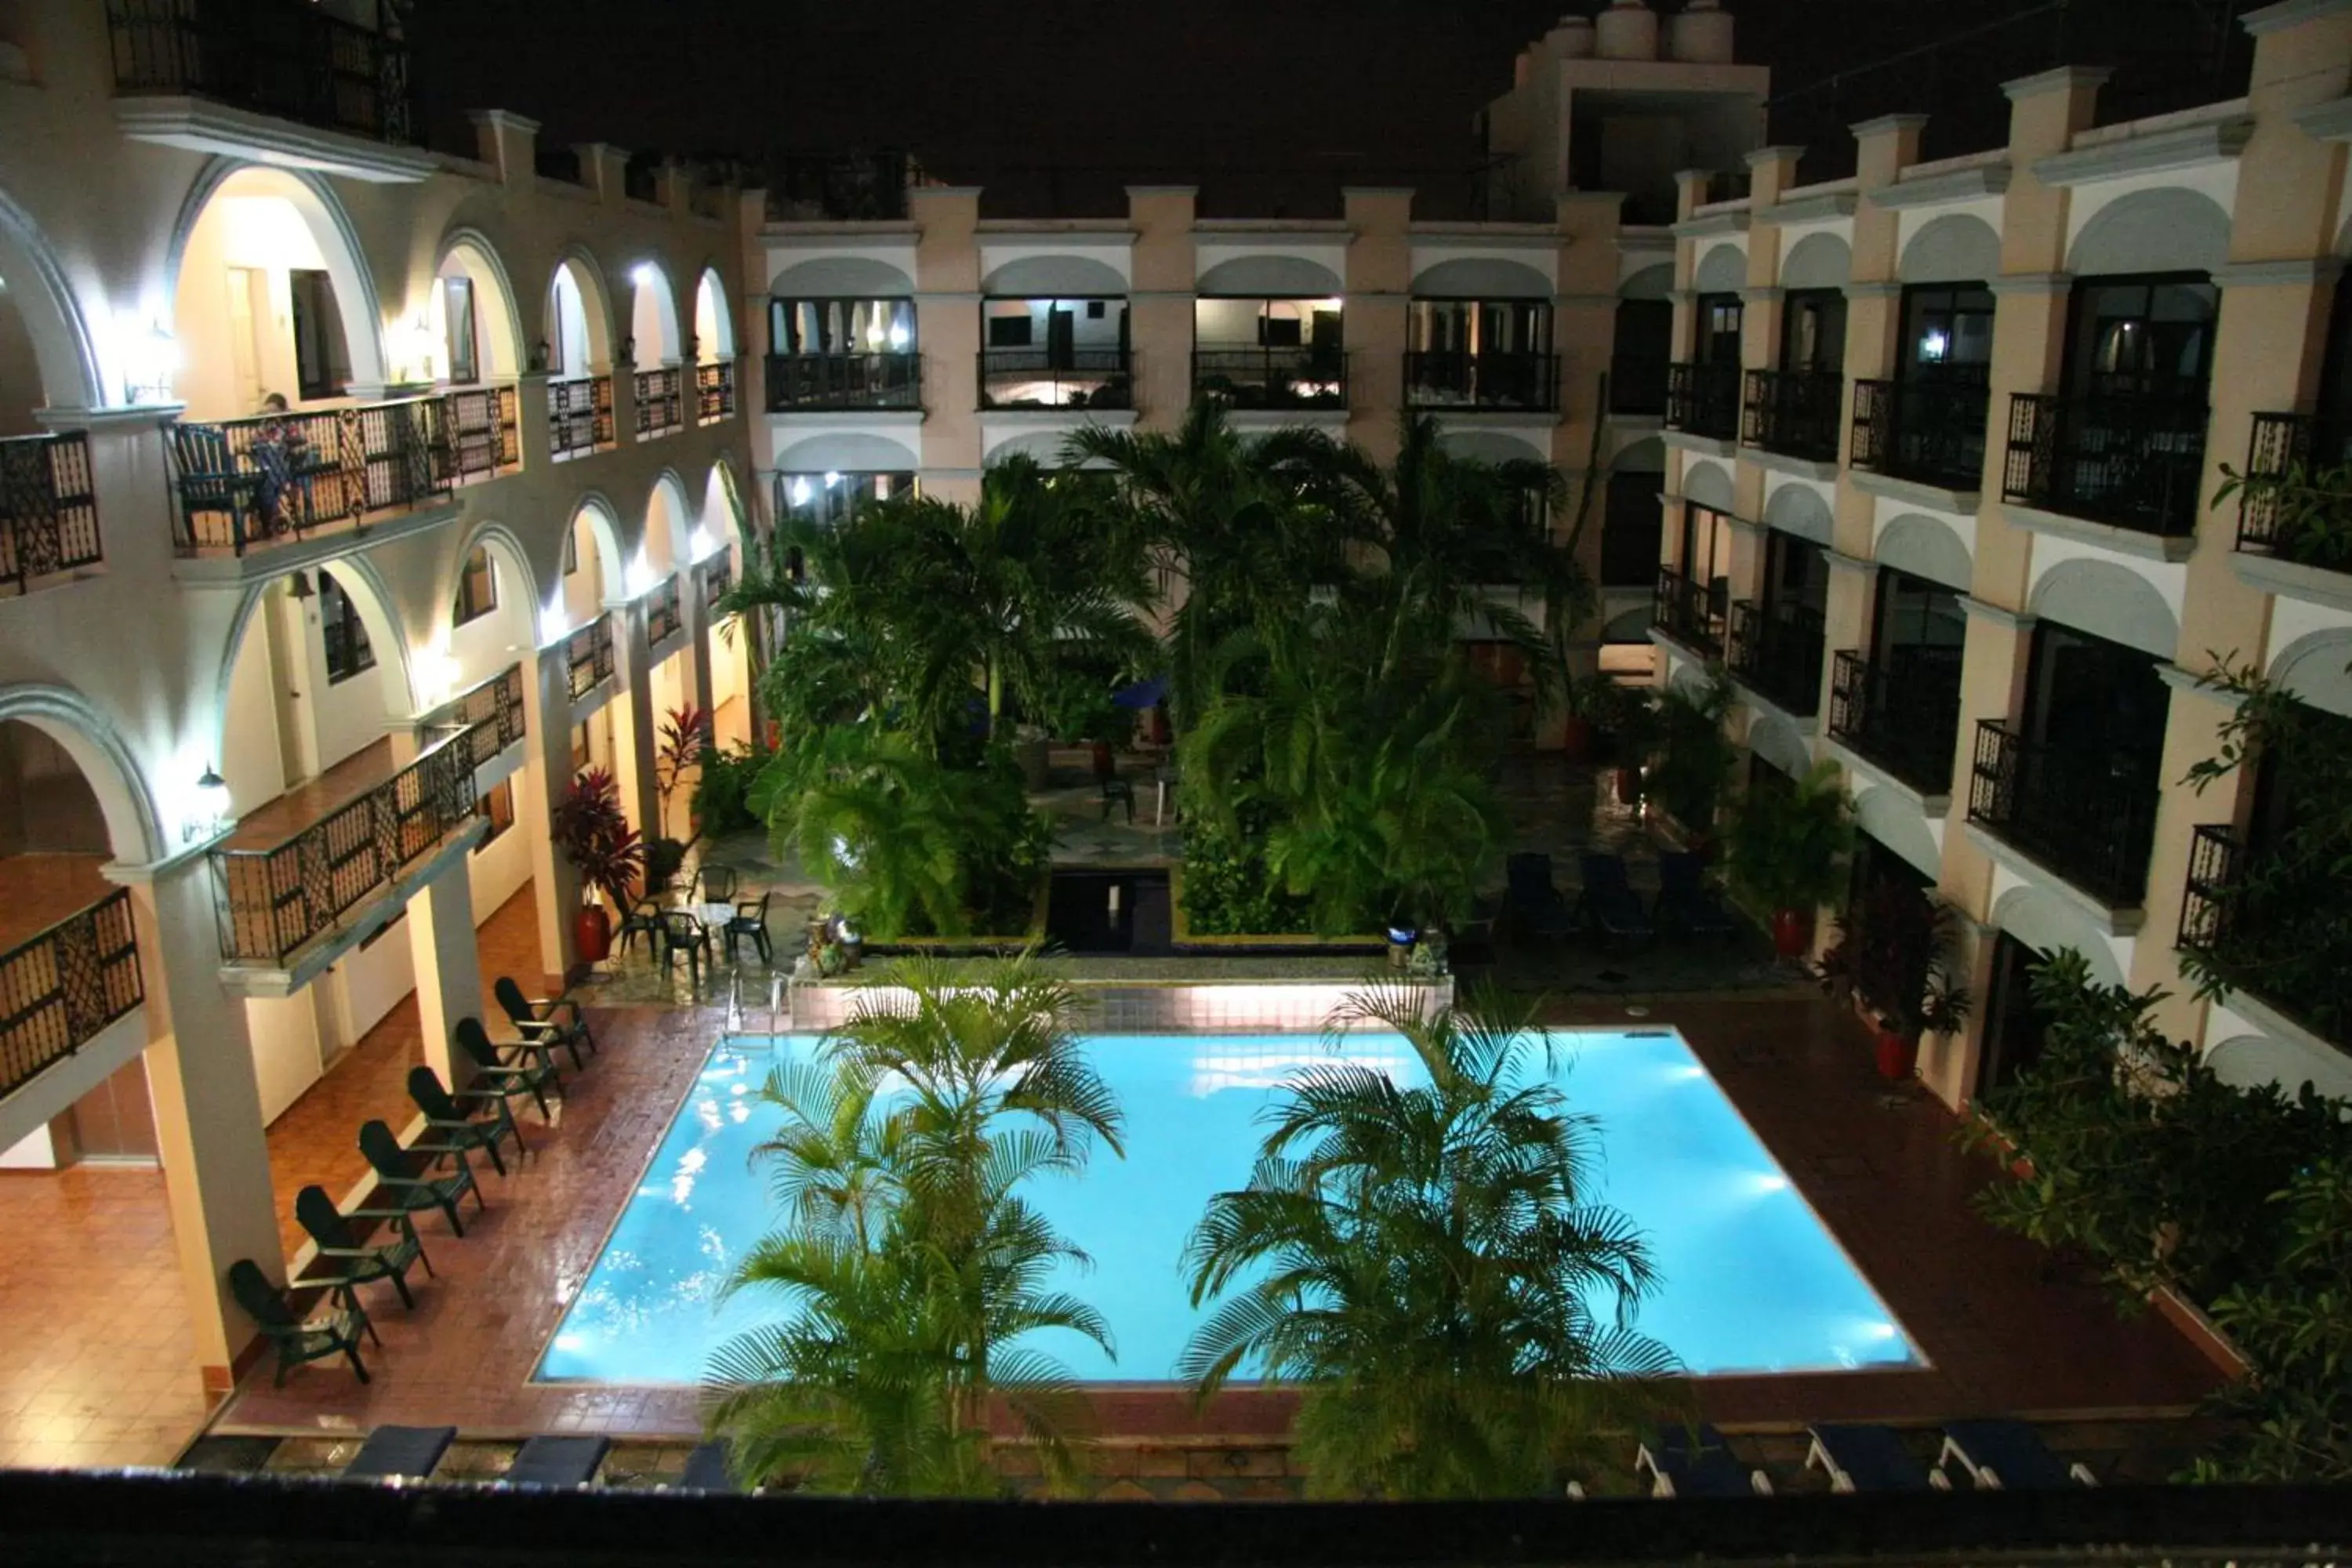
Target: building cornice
{"points": [[2007, 619], [2290, 14], [1933, 190], [2189, 681], [2031, 283], [1820, 209], [2329, 122], [2184, 147], [1874, 291], [2064, 79], [2104, 536], [2311, 272], [1935, 498], [1723, 221], [1886, 122]]}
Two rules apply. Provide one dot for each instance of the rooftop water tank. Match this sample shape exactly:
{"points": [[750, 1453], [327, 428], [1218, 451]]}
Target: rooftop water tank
{"points": [[1628, 30], [1701, 34], [1571, 39]]}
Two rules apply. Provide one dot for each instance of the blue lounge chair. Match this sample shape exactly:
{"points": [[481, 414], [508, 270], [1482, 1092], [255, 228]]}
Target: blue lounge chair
{"points": [[400, 1453], [2008, 1456], [709, 1469], [1868, 1460], [1685, 901], [1532, 903], [558, 1462], [1608, 900], [1694, 1461]]}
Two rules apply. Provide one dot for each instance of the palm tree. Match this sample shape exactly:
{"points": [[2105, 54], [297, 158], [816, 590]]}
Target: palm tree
{"points": [[911, 1259], [1426, 1262]]}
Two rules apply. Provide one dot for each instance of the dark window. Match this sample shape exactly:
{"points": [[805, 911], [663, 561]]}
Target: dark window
{"points": [[2145, 337], [1629, 534], [1705, 557], [2336, 376], [1719, 318], [347, 653], [478, 586], [320, 367], [496, 807], [1009, 331], [1813, 330], [1093, 310], [1480, 326], [2097, 699], [457, 311], [1281, 332], [2014, 1027], [1912, 612]]}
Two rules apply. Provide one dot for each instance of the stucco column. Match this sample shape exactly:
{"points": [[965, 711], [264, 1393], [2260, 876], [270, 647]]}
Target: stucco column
{"points": [[207, 1105], [545, 778], [1993, 667], [625, 403], [1160, 319], [441, 947], [633, 759], [2192, 734], [947, 329], [697, 616], [1379, 290], [1690, 192], [1846, 619], [534, 428]]}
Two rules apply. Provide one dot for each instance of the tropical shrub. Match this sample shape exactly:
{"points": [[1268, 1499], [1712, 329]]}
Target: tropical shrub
{"points": [[1430, 1267], [1788, 845], [593, 834], [722, 790], [1229, 890], [1895, 949], [1694, 758]]}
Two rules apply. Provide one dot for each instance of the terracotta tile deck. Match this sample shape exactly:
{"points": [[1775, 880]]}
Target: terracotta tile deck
{"points": [[36, 891], [1887, 1178], [273, 822]]}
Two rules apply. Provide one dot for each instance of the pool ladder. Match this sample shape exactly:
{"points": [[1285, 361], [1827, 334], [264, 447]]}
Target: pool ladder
{"points": [[780, 1006]]}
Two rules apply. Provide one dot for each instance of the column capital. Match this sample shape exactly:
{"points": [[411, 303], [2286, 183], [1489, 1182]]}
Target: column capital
{"points": [[2064, 79]]}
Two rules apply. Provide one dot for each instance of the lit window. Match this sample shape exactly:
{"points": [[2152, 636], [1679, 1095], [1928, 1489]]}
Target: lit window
{"points": [[478, 586], [495, 807], [347, 653]]}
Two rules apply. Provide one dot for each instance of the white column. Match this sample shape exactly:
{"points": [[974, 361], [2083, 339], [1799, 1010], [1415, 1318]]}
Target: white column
{"points": [[545, 777], [634, 751], [448, 968]]}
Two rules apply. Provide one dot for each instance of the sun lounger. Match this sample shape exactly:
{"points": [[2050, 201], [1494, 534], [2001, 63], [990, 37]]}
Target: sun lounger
{"points": [[1685, 901], [2008, 1456], [1608, 900], [400, 1453], [708, 1470], [1688, 1462], [1867, 1459], [558, 1462]]}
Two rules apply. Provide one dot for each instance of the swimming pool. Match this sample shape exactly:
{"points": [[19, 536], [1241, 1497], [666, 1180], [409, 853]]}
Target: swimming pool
{"points": [[1753, 1283]]}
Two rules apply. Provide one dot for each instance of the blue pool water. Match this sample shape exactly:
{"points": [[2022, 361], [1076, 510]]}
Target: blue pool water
{"points": [[1752, 1281]]}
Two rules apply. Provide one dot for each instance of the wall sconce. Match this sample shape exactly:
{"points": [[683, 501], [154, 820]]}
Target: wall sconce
{"points": [[423, 348], [212, 806], [627, 353], [299, 589], [693, 349], [539, 354]]}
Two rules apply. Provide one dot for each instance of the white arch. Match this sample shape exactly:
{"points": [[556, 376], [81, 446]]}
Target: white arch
{"points": [[666, 537], [538, 581], [63, 347], [1925, 547], [1268, 276], [848, 452], [714, 323], [1495, 446], [653, 314], [1817, 261], [2168, 229], [88, 736], [1653, 282], [1796, 509], [2045, 924], [1062, 276], [1482, 278], [1705, 484], [1646, 456], [2314, 668], [722, 519], [1957, 247], [841, 277], [470, 251], [1896, 822], [1722, 271], [604, 532], [1778, 742], [2107, 601], [395, 673], [2257, 1061], [577, 263]]}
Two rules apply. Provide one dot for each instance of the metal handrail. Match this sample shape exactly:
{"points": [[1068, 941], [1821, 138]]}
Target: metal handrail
{"points": [[2134, 460], [660, 403], [1775, 650], [665, 615], [490, 712], [1070, 378], [48, 508], [60, 987], [270, 478], [1931, 430], [2068, 807], [2283, 445], [1497, 379], [1686, 609], [1902, 712], [588, 656], [818, 381], [1303, 375], [1792, 412], [279, 57], [485, 432], [580, 416], [1703, 400], [714, 392]]}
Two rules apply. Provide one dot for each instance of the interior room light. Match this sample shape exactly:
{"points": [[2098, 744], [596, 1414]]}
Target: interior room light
{"points": [[897, 338], [1934, 345], [802, 489], [875, 335], [832, 479]]}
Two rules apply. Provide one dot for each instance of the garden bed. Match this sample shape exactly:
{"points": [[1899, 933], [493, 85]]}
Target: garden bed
{"points": [[974, 946], [1183, 939]]}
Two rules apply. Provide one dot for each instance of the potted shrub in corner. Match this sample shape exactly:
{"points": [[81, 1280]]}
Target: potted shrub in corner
{"points": [[685, 741], [593, 833], [1788, 847], [1893, 951], [1694, 757]]}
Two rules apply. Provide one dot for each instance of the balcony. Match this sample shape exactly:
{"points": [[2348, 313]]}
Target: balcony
{"points": [[1637, 385], [2280, 931], [717, 578], [1687, 612], [278, 57], [244, 484], [579, 417], [1776, 652], [485, 433], [663, 616], [1929, 432], [714, 392], [588, 653], [1794, 413], [2292, 453], [1902, 712], [62, 986], [812, 383], [489, 716], [291, 871], [48, 508], [661, 406], [1290, 377], [1492, 382], [1704, 400], [2131, 461], [2075, 810], [1056, 378]]}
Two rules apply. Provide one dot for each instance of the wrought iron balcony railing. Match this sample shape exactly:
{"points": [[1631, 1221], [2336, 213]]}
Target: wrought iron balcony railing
{"points": [[489, 714], [665, 617], [1692, 613], [280, 58], [2130, 460], [2290, 450], [1637, 385], [1056, 378], [589, 654], [276, 901], [485, 433], [1297, 377], [580, 416], [48, 508], [59, 989], [2281, 932], [248, 483], [661, 405], [1704, 400], [1775, 650], [1901, 711], [2079, 811], [717, 576], [1932, 431], [714, 392], [1496, 382], [1792, 412], [813, 382]]}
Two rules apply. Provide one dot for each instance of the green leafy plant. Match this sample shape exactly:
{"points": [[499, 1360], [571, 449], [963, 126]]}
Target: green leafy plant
{"points": [[1229, 889], [1787, 847], [2310, 510], [722, 790], [681, 743], [593, 834], [1694, 757], [1894, 948]]}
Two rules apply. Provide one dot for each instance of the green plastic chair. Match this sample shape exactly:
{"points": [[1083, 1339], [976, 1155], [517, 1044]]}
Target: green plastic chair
{"points": [[549, 1020], [335, 1331], [530, 1070], [445, 1114], [360, 1264], [404, 1178]]}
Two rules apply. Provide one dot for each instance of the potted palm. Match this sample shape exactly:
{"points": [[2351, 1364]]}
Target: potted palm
{"points": [[1694, 758], [593, 833], [1788, 849], [1895, 951]]}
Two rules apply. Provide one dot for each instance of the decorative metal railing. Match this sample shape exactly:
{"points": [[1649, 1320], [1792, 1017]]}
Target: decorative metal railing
{"points": [[1637, 385], [1932, 431], [812, 383], [589, 654], [1775, 650], [660, 403], [485, 433], [276, 901], [2284, 446], [1056, 378], [244, 483], [59, 989], [1792, 412], [48, 508], [580, 416], [1901, 711], [714, 392], [1687, 611], [2131, 460], [717, 578], [279, 57], [1525, 382], [2278, 931], [490, 714], [664, 617], [1290, 377], [2079, 811], [1703, 400]]}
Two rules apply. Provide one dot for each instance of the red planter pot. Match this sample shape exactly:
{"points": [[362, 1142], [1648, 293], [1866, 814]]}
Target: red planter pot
{"points": [[1792, 933], [592, 933], [1576, 739], [1898, 1055]]}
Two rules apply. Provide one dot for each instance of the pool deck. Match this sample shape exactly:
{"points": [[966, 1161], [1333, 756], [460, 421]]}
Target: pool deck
{"points": [[1999, 1333]]}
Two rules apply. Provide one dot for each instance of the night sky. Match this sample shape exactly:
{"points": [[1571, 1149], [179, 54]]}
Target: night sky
{"points": [[1254, 100]]}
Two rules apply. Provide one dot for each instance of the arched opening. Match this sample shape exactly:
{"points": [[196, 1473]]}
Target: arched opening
{"points": [[653, 316], [475, 334], [20, 379], [668, 541], [578, 329], [494, 599], [714, 325], [730, 640], [270, 300], [596, 574], [46, 355]]}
